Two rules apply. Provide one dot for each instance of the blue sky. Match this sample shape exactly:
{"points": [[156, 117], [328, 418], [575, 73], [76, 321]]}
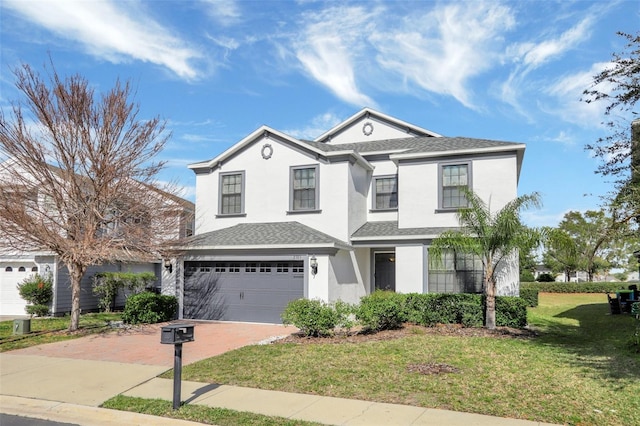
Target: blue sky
{"points": [[217, 70]]}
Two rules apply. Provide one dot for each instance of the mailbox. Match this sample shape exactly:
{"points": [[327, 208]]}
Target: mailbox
{"points": [[177, 333]]}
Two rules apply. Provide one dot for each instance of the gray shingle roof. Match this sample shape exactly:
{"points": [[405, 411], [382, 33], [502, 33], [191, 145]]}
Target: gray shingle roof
{"points": [[373, 230], [265, 234], [413, 145]]}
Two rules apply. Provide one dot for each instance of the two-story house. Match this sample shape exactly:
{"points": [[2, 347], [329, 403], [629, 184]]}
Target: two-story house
{"points": [[18, 265], [355, 210]]}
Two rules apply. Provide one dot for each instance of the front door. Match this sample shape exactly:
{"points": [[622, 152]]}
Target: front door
{"points": [[385, 271]]}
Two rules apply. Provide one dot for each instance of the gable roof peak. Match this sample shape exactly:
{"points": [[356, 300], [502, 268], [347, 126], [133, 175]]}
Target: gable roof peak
{"points": [[367, 113]]}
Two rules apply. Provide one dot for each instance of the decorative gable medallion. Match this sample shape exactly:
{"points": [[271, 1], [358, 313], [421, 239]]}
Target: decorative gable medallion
{"points": [[367, 128], [267, 151]]}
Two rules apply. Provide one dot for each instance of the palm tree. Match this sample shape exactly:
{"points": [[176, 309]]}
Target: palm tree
{"points": [[491, 237]]}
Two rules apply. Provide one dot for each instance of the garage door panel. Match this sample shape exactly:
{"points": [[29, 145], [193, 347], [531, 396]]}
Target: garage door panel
{"points": [[12, 274], [241, 291]]}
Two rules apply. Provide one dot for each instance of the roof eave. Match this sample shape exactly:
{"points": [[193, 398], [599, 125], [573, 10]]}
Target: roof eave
{"points": [[269, 247], [370, 112], [262, 131], [457, 152]]}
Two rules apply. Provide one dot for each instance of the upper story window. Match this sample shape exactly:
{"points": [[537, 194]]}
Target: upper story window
{"points": [[454, 180], [231, 200], [385, 196], [304, 188]]}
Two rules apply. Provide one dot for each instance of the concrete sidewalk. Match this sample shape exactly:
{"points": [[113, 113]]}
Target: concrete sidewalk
{"points": [[71, 390]]}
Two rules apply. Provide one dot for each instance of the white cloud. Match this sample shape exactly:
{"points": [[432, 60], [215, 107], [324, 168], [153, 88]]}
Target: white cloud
{"points": [[567, 95], [109, 31], [529, 56], [224, 12], [318, 126], [536, 55], [329, 50], [442, 50]]}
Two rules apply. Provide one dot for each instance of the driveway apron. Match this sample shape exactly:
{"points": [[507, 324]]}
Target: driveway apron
{"points": [[92, 369], [141, 345]]}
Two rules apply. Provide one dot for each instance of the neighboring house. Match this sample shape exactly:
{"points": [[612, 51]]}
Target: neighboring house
{"points": [[542, 269], [16, 266], [355, 210]]}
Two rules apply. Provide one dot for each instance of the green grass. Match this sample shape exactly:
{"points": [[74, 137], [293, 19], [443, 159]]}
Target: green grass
{"points": [[580, 370], [198, 413], [49, 330]]}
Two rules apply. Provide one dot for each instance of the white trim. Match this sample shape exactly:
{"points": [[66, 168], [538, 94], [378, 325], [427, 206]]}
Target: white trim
{"points": [[418, 155], [368, 113]]}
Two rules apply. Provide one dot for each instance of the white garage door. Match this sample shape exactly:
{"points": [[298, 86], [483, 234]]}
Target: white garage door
{"points": [[241, 291], [11, 274]]}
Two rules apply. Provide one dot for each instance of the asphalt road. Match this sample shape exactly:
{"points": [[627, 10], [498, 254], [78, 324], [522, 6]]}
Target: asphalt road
{"points": [[9, 420]]}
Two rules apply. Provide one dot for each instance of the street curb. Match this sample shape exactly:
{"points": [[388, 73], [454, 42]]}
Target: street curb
{"points": [[80, 414]]}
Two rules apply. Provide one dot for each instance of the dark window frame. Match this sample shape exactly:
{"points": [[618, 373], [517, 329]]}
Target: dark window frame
{"points": [[376, 193], [293, 191], [223, 208], [442, 188]]}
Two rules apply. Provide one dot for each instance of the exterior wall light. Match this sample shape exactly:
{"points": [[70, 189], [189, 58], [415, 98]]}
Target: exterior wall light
{"points": [[168, 265], [313, 264]]}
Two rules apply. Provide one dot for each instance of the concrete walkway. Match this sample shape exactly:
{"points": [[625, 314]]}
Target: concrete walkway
{"points": [[61, 382]]}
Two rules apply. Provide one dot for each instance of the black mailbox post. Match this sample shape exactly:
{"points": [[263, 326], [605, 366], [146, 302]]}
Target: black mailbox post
{"points": [[177, 334]]}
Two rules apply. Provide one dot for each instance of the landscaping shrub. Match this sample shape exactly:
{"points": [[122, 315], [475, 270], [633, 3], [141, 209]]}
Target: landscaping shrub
{"points": [[445, 308], [526, 276], [38, 292], [588, 287], [463, 308], [511, 312], [313, 317], [529, 295], [546, 278], [107, 284], [149, 308], [382, 310]]}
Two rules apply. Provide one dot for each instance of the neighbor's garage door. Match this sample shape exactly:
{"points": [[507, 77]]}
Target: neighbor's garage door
{"points": [[11, 274], [241, 291]]}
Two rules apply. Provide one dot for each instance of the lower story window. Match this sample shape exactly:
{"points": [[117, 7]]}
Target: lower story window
{"points": [[455, 273]]}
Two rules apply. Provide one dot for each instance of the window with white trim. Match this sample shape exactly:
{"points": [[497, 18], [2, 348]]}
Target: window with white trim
{"points": [[385, 192], [304, 188], [454, 180], [231, 199]]}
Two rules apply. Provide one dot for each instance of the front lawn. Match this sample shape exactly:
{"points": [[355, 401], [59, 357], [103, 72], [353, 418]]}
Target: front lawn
{"points": [[49, 330], [580, 369]]}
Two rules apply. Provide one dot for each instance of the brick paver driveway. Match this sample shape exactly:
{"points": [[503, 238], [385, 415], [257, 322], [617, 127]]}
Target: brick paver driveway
{"points": [[141, 345]]}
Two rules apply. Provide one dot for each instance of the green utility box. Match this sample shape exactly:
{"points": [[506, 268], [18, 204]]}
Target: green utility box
{"points": [[21, 326]]}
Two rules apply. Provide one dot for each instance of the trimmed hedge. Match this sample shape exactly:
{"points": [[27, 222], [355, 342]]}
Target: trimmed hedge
{"points": [[384, 310], [529, 295], [316, 318], [529, 291], [462, 308], [149, 308], [559, 287], [381, 310], [313, 317]]}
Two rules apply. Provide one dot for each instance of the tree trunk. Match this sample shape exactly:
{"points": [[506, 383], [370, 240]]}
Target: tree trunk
{"points": [[490, 309], [76, 272]]}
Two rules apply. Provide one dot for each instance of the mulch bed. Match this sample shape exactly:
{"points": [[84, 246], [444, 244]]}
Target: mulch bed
{"points": [[357, 336]]}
